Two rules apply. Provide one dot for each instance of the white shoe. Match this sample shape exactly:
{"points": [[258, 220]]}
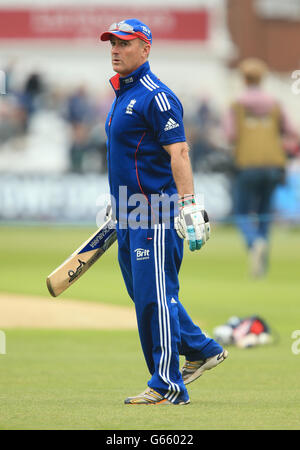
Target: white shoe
{"points": [[194, 369], [151, 397]]}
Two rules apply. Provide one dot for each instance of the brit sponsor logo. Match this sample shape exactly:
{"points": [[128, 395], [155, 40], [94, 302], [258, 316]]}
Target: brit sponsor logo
{"points": [[142, 254]]}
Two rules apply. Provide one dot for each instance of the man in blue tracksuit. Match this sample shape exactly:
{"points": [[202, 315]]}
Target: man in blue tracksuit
{"points": [[148, 166]]}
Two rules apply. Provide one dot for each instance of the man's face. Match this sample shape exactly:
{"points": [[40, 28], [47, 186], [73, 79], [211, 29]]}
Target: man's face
{"points": [[127, 56]]}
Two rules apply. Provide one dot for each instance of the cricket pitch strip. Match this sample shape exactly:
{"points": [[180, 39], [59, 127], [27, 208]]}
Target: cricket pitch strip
{"points": [[25, 311]]}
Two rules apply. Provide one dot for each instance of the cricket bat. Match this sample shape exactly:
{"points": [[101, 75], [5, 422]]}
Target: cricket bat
{"points": [[82, 259]]}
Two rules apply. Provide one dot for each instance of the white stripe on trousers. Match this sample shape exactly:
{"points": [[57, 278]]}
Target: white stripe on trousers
{"points": [[163, 313]]}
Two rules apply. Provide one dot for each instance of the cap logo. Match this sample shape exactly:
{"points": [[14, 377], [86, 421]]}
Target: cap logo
{"points": [[146, 30]]}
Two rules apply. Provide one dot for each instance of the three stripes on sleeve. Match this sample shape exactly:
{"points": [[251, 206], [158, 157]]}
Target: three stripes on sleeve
{"points": [[160, 98]]}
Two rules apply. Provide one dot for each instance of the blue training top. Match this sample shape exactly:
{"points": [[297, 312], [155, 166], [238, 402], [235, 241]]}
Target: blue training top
{"points": [[144, 116]]}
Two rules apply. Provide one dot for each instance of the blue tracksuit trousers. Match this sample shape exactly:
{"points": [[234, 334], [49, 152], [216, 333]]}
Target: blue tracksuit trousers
{"points": [[150, 260]]}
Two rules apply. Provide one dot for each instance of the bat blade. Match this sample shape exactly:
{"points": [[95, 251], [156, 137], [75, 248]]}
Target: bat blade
{"points": [[82, 259]]}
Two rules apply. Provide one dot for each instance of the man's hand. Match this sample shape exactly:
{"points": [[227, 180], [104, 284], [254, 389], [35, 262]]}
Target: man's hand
{"points": [[192, 224]]}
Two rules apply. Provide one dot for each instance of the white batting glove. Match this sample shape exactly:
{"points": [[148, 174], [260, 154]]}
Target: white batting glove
{"points": [[192, 223]]}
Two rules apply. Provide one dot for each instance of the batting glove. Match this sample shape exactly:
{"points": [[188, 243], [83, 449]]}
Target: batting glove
{"points": [[192, 223]]}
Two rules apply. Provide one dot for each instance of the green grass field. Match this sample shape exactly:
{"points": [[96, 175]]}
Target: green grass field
{"points": [[52, 379]]}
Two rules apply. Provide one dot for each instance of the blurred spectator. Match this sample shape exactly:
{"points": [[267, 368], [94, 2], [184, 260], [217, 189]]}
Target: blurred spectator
{"points": [[31, 98], [14, 106], [84, 115], [204, 122], [12, 118], [204, 132], [256, 126], [9, 73], [80, 114]]}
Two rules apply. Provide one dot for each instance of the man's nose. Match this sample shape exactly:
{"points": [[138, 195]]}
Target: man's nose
{"points": [[115, 49]]}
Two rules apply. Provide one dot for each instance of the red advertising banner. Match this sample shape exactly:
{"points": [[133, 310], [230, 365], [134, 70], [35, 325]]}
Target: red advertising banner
{"points": [[89, 22]]}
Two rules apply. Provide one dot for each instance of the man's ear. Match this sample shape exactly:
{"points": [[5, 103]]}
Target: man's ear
{"points": [[147, 48]]}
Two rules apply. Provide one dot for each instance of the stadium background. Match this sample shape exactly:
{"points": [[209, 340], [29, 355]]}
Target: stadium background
{"points": [[54, 99]]}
